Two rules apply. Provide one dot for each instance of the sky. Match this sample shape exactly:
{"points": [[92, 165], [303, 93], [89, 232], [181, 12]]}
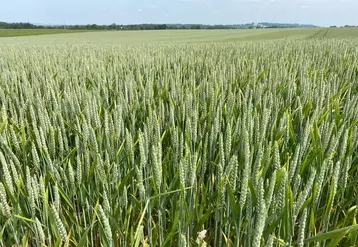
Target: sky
{"points": [[70, 12]]}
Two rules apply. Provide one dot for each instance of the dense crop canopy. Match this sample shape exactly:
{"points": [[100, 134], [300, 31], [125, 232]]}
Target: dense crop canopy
{"points": [[235, 144]]}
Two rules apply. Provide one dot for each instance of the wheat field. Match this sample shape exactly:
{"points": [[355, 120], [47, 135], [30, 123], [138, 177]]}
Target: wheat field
{"points": [[211, 144]]}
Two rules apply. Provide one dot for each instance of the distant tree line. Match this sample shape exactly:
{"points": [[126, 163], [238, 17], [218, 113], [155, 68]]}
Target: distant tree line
{"points": [[19, 25], [22, 25]]}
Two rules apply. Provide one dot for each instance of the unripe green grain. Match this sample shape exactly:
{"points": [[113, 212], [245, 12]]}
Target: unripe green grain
{"points": [[261, 215], [40, 231], [106, 226], [59, 225], [246, 171], [301, 234], [5, 209], [5, 169]]}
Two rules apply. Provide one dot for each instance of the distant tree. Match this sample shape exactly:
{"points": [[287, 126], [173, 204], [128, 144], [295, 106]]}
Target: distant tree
{"points": [[195, 27], [93, 27], [19, 25], [161, 27], [113, 26]]}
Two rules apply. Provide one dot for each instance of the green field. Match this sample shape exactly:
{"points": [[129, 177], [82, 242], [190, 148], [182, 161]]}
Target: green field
{"points": [[31, 32], [235, 138], [177, 36]]}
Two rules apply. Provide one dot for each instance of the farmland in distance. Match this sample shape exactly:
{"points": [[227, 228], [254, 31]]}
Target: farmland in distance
{"points": [[172, 36]]}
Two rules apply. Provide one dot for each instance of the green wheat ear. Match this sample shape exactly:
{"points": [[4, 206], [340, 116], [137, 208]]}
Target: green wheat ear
{"points": [[5, 208], [107, 139], [59, 225], [106, 226]]}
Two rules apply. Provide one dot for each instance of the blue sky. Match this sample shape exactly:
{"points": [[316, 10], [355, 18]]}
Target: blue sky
{"points": [[319, 12]]}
